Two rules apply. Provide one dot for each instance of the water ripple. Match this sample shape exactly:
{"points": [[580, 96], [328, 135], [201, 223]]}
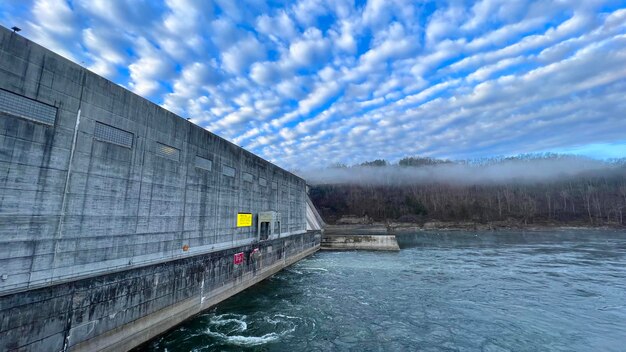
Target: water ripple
{"points": [[492, 291]]}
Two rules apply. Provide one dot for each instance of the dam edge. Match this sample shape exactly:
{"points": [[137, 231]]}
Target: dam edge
{"points": [[120, 219]]}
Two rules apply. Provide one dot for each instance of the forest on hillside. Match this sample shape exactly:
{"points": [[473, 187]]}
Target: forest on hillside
{"points": [[441, 190]]}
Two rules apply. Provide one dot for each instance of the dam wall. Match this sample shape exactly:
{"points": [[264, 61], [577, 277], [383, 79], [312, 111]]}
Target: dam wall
{"points": [[113, 209], [116, 312]]}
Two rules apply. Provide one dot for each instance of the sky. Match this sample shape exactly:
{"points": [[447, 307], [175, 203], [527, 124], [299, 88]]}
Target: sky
{"points": [[307, 84]]}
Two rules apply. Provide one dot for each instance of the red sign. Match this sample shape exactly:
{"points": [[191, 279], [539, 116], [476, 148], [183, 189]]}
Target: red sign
{"points": [[238, 258]]}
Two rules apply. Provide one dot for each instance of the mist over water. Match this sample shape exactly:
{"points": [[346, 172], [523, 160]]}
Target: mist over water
{"points": [[444, 291], [518, 170]]}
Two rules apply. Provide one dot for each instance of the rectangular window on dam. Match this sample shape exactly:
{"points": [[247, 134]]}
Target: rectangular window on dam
{"points": [[203, 163], [228, 171], [110, 134], [262, 182], [247, 177], [21, 106], [168, 152]]}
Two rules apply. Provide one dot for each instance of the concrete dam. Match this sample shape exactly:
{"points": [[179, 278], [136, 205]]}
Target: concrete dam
{"points": [[120, 219]]}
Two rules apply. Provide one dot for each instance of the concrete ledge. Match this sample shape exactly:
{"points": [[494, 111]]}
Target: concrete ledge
{"points": [[360, 242], [141, 330], [112, 266]]}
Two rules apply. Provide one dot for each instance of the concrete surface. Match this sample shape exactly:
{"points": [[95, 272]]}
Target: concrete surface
{"points": [[360, 242], [118, 311], [73, 205], [113, 209]]}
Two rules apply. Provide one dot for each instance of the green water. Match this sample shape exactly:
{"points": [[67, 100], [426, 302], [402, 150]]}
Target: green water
{"points": [[446, 291]]}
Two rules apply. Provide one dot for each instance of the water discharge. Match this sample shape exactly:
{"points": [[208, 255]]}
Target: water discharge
{"points": [[444, 291]]}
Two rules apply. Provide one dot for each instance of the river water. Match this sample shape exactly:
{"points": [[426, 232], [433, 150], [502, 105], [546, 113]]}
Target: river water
{"points": [[444, 291]]}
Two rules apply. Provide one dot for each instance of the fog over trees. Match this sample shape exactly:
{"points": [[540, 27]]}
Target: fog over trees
{"points": [[524, 190]]}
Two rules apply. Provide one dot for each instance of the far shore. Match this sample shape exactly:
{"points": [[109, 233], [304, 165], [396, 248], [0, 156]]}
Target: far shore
{"points": [[378, 228]]}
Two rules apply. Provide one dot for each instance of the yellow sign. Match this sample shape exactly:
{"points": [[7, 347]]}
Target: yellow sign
{"points": [[244, 220]]}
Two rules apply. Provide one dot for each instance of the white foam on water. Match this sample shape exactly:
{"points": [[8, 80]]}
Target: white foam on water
{"points": [[225, 319], [241, 340], [271, 321], [286, 316], [316, 269], [252, 340], [280, 318]]}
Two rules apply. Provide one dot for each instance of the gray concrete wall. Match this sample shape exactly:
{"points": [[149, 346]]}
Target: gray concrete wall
{"points": [[77, 202], [116, 312], [360, 242]]}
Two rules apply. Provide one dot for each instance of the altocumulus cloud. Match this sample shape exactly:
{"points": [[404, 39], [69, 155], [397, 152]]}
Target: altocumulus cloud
{"points": [[310, 83]]}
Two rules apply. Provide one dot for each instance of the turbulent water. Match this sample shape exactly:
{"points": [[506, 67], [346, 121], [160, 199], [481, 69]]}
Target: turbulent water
{"points": [[446, 291]]}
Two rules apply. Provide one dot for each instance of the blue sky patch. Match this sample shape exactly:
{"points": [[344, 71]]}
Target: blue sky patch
{"points": [[343, 82]]}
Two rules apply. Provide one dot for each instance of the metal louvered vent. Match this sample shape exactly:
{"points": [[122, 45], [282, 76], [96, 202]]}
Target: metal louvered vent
{"points": [[228, 171], [168, 152], [113, 135], [247, 177], [203, 163], [22, 106]]}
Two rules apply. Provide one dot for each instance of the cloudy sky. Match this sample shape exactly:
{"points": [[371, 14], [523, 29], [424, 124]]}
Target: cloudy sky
{"points": [[310, 83]]}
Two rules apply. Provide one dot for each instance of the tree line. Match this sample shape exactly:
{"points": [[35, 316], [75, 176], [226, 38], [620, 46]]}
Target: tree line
{"points": [[591, 198]]}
